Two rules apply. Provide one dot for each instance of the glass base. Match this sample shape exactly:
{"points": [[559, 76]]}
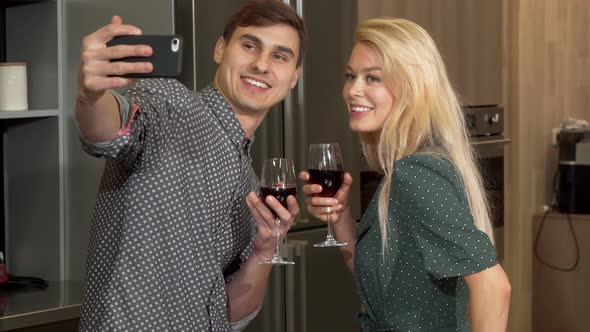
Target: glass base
{"points": [[330, 243], [278, 260]]}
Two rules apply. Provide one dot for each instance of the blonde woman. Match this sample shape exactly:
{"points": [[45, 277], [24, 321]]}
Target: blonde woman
{"points": [[423, 255]]}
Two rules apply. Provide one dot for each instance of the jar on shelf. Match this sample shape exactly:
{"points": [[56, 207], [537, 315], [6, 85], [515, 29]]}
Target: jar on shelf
{"points": [[13, 86]]}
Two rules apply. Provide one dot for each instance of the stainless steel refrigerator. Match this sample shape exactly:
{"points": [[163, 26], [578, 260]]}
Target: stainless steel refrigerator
{"points": [[317, 293]]}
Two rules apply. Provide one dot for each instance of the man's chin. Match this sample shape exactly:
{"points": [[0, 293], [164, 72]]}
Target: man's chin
{"points": [[250, 110], [254, 107]]}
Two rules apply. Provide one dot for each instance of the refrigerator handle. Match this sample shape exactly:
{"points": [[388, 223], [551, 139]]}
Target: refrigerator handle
{"points": [[301, 107], [300, 252], [296, 317], [294, 101], [295, 138]]}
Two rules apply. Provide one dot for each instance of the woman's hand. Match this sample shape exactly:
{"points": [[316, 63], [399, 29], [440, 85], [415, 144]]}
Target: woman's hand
{"points": [[320, 207]]}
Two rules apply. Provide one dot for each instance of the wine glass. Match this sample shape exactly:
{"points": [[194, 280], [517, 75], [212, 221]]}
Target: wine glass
{"points": [[277, 180], [325, 169]]}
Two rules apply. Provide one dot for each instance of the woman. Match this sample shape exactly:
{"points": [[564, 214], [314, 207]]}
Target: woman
{"points": [[423, 254]]}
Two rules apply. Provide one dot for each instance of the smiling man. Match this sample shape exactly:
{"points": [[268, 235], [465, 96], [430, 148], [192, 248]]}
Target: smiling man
{"points": [[256, 69], [178, 229]]}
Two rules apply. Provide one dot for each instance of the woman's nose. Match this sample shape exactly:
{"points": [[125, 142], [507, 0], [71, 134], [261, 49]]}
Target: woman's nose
{"points": [[356, 88]]}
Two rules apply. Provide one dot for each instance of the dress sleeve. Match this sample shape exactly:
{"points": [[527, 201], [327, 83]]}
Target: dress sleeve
{"points": [[442, 225]]}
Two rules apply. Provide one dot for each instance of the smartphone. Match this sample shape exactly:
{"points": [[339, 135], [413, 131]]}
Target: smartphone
{"points": [[166, 57]]}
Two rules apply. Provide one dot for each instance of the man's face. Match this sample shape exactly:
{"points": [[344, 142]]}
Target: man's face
{"points": [[257, 66]]}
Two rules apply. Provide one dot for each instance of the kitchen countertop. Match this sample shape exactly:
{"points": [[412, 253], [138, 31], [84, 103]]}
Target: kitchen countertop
{"points": [[21, 308], [573, 216]]}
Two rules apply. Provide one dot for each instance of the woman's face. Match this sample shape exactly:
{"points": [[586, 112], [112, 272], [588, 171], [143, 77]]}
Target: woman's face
{"points": [[365, 92]]}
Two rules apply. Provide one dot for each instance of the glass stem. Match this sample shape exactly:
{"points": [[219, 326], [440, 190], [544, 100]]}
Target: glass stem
{"points": [[330, 232], [277, 235]]}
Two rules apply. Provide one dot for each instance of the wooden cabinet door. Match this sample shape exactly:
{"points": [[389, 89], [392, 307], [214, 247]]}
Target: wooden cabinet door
{"points": [[468, 34]]}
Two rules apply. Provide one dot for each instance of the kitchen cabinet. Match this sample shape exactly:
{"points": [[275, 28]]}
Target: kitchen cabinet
{"points": [[49, 182], [560, 298], [32, 154], [468, 34]]}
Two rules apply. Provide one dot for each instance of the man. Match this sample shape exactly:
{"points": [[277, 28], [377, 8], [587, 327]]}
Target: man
{"points": [[173, 246]]}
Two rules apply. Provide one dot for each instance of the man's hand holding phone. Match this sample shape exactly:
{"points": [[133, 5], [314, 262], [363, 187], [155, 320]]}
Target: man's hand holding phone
{"points": [[98, 72], [114, 56]]}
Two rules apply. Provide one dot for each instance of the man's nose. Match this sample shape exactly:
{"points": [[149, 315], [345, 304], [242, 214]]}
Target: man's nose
{"points": [[260, 64]]}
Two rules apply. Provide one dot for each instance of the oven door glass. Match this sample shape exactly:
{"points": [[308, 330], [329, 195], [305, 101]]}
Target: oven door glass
{"points": [[490, 154]]}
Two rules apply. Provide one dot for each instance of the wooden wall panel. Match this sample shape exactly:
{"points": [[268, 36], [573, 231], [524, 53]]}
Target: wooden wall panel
{"points": [[468, 34], [516, 257], [547, 79]]}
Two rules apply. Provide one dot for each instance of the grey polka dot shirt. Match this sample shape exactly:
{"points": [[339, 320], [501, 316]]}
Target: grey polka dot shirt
{"points": [[171, 225], [433, 243]]}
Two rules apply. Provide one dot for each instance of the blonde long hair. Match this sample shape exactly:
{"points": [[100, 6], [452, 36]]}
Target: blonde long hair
{"points": [[426, 116]]}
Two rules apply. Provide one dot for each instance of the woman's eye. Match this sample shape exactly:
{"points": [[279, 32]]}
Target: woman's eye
{"points": [[373, 79], [348, 76]]}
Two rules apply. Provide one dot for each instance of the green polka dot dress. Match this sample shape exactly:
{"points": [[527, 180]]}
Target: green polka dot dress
{"points": [[432, 243]]}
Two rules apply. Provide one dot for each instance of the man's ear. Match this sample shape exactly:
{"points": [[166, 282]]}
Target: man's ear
{"points": [[296, 76], [219, 49]]}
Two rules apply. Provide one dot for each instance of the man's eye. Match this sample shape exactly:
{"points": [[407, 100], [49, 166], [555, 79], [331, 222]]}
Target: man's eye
{"points": [[249, 46], [280, 57]]}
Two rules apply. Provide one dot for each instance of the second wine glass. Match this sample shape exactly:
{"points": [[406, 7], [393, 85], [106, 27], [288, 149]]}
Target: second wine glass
{"points": [[277, 180], [325, 169]]}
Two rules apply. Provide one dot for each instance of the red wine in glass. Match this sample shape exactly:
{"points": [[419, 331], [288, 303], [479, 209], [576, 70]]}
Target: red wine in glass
{"points": [[280, 193], [278, 180], [324, 166], [330, 180]]}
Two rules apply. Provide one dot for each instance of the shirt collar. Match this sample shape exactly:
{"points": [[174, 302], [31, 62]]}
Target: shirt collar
{"points": [[226, 117]]}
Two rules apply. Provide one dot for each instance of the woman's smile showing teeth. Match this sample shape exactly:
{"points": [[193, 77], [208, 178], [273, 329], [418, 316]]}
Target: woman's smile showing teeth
{"points": [[360, 109], [356, 110]]}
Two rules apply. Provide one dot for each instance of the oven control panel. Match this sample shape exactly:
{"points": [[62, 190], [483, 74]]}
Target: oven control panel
{"points": [[484, 120]]}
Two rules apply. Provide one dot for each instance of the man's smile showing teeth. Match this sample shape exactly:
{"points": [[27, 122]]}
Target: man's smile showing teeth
{"points": [[360, 109], [257, 83]]}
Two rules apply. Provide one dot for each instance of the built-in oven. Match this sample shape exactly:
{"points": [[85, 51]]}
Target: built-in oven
{"points": [[485, 125]]}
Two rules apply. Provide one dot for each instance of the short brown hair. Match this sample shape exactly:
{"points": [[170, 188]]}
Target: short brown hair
{"points": [[264, 13]]}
